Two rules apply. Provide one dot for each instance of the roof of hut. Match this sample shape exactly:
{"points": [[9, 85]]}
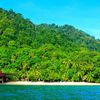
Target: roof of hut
{"points": [[2, 74]]}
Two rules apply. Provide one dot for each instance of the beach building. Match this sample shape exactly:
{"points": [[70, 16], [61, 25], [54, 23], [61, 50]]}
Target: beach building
{"points": [[2, 77]]}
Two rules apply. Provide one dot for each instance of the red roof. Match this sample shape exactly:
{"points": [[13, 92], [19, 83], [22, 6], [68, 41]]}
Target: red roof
{"points": [[2, 74]]}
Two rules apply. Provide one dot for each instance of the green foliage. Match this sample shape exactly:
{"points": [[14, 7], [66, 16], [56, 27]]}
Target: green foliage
{"points": [[47, 52]]}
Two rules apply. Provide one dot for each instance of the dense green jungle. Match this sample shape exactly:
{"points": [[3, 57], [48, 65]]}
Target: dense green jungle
{"points": [[46, 52]]}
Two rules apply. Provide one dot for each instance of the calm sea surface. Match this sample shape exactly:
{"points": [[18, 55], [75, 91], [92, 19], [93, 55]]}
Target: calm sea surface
{"points": [[15, 92]]}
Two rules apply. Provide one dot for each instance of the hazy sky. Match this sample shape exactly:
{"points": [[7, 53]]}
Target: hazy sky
{"points": [[83, 14]]}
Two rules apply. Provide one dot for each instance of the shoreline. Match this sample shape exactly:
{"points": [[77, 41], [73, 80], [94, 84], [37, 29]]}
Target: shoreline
{"points": [[50, 83]]}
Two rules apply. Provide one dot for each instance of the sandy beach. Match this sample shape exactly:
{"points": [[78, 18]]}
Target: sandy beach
{"points": [[49, 83]]}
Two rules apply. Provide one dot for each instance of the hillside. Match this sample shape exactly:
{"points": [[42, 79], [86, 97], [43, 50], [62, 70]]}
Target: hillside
{"points": [[47, 52]]}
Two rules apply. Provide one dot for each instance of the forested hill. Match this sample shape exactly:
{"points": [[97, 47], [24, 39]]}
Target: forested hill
{"points": [[47, 52]]}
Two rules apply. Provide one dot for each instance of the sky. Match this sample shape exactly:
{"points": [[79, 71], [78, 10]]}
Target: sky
{"points": [[82, 14]]}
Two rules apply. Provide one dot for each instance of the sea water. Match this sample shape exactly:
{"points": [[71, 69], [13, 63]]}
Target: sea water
{"points": [[21, 92]]}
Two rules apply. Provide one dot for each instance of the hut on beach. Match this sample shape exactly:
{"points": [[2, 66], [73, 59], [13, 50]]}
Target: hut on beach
{"points": [[2, 77]]}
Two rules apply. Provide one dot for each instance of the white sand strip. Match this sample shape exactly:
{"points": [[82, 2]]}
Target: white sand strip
{"points": [[49, 83]]}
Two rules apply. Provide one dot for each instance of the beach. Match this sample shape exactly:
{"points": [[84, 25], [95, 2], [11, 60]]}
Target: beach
{"points": [[49, 83]]}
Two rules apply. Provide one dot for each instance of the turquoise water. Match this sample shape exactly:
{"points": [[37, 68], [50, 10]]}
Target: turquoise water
{"points": [[14, 92]]}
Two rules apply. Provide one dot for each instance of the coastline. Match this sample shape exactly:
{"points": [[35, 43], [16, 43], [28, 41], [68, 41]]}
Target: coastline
{"points": [[50, 83]]}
